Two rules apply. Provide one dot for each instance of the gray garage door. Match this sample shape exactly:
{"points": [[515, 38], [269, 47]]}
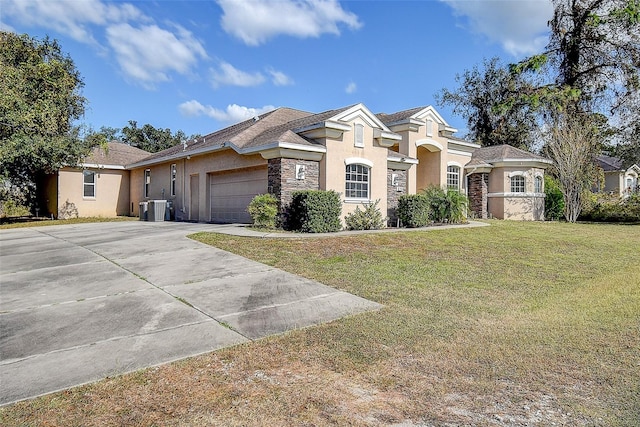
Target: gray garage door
{"points": [[231, 193]]}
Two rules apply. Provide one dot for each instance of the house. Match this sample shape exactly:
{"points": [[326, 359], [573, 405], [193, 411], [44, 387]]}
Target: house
{"points": [[506, 183], [361, 155], [98, 186], [618, 180]]}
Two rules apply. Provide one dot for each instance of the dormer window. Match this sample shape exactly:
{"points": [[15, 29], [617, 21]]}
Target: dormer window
{"points": [[358, 135]]}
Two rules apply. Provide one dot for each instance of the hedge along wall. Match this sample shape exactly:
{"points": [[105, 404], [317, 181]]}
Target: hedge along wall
{"points": [[315, 211]]}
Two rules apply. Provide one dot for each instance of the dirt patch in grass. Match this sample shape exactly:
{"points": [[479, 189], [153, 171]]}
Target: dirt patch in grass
{"points": [[517, 324]]}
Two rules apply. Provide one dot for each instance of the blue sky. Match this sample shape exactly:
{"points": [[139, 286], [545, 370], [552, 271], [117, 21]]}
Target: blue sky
{"points": [[201, 65]]}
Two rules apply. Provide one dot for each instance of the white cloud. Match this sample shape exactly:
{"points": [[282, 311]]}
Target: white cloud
{"points": [[351, 88], [279, 78], [232, 114], [254, 22], [73, 18], [148, 53], [228, 75], [145, 52], [520, 26]]}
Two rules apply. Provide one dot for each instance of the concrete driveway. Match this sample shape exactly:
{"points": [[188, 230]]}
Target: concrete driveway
{"points": [[82, 302]]}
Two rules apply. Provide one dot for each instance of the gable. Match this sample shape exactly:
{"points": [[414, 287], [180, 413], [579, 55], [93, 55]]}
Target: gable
{"points": [[360, 111]]}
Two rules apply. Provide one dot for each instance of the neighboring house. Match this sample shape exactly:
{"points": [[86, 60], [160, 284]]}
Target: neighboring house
{"points": [[618, 180], [506, 183], [363, 156], [99, 186]]}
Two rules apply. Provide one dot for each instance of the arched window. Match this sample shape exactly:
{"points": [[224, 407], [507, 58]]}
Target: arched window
{"points": [[358, 135], [89, 183], [453, 177], [357, 182], [517, 184], [538, 184]]}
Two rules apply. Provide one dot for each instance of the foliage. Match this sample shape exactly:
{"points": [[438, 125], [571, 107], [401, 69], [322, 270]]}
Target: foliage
{"points": [[446, 205], [414, 210], [151, 139], [263, 210], [602, 207], [9, 208], [39, 100], [572, 141], [489, 99], [315, 211], [554, 200], [368, 219]]}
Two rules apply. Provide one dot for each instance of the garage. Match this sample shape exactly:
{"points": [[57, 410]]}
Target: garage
{"points": [[231, 193]]}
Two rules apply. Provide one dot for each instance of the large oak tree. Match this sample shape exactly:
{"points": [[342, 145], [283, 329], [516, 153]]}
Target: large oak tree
{"points": [[40, 98]]}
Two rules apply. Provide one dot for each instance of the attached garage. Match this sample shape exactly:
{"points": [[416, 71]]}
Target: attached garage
{"points": [[231, 193]]}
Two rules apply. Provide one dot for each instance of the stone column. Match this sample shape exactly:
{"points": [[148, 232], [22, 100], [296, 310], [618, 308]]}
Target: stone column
{"points": [[396, 187], [478, 189]]}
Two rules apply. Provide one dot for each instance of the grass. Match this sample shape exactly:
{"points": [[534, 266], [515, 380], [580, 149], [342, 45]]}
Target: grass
{"points": [[515, 324], [44, 221]]}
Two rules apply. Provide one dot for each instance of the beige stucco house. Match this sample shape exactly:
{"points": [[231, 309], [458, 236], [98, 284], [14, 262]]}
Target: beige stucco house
{"points": [[361, 155], [618, 180], [99, 186]]}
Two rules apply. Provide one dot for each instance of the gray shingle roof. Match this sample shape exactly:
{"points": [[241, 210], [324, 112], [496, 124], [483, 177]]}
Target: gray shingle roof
{"points": [[116, 154], [498, 152], [399, 116], [609, 164]]}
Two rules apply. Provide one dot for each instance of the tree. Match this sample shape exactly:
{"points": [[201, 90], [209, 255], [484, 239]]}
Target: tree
{"points": [[572, 141], [40, 98], [150, 139], [489, 98]]}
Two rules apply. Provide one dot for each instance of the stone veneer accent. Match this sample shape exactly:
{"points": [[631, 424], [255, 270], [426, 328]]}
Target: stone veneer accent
{"points": [[393, 194], [478, 189], [282, 179]]}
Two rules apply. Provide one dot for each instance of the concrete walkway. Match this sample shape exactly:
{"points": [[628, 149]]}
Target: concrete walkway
{"points": [[82, 302]]}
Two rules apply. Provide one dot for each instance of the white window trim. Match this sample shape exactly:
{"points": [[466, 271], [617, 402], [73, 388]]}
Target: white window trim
{"points": [[369, 164], [145, 184], [517, 173], [94, 184], [358, 160], [524, 179], [535, 180], [459, 174], [174, 177]]}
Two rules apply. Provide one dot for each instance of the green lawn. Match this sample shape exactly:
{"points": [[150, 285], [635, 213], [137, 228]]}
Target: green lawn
{"points": [[44, 221], [518, 323]]}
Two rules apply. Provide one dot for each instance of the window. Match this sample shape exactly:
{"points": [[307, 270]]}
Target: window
{"points": [[173, 179], [538, 184], [453, 177], [89, 184], [147, 182], [517, 184], [357, 182], [358, 135]]}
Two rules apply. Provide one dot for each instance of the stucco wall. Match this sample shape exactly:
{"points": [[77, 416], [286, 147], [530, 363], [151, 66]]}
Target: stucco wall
{"points": [[503, 204], [333, 167], [111, 193], [194, 168]]}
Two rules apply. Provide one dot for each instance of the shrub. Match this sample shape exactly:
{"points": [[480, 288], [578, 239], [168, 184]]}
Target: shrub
{"points": [[263, 210], [9, 208], [368, 219], [413, 210], [606, 208], [554, 200], [446, 205], [315, 211]]}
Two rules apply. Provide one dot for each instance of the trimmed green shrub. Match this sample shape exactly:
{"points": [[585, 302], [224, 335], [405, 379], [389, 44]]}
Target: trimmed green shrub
{"points": [[446, 205], [315, 211], [606, 208], [413, 210], [264, 210], [368, 219], [554, 200]]}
